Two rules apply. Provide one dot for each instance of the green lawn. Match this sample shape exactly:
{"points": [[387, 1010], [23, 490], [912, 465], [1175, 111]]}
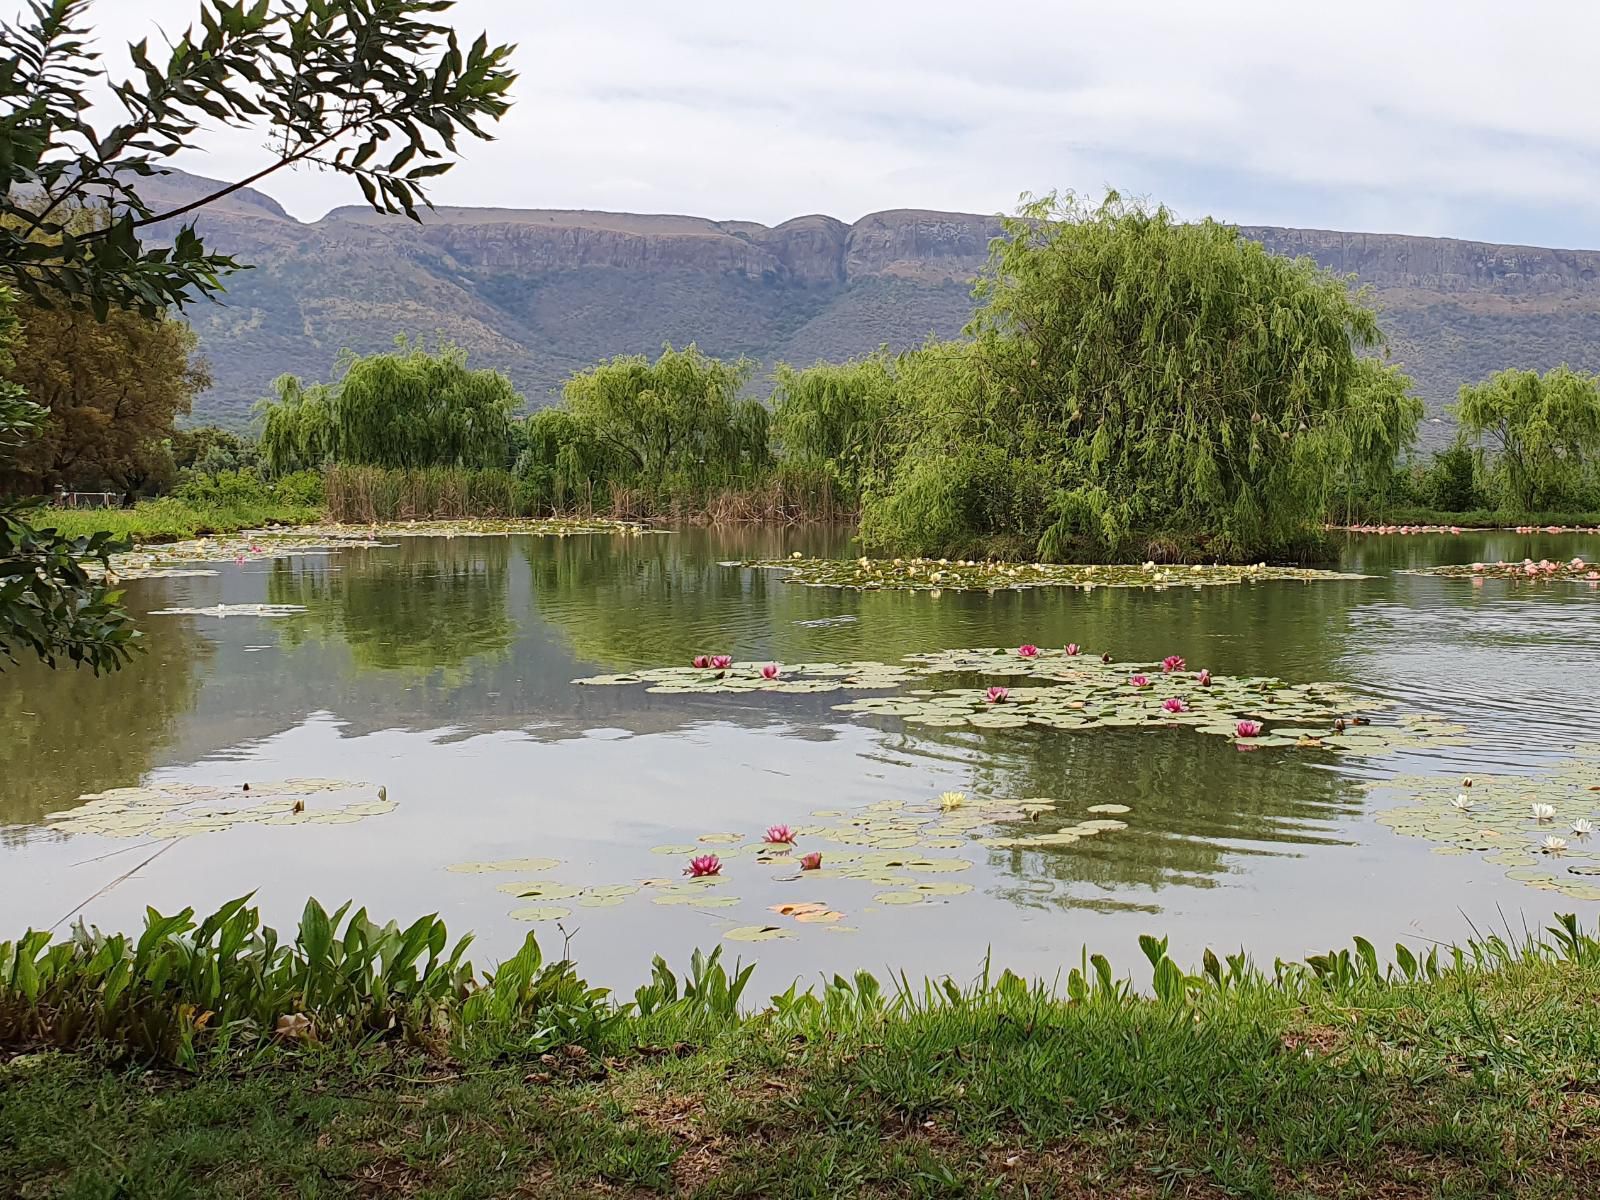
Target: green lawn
{"points": [[1479, 1079], [173, 520]]}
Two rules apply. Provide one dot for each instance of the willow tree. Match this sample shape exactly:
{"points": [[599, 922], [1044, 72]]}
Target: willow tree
{"points": [[677, 422], [299, 429], [836, 418], [1152, 387], [408, 408], [1542, 435]]}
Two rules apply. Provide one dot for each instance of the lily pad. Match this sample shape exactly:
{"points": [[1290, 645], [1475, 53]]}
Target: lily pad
{"points": [[539, 912], [755, 933], [504, 864]]}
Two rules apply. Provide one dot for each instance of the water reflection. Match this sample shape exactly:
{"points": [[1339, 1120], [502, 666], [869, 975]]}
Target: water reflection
{"points": [[442, 668], [67, 732], [418, 608]]}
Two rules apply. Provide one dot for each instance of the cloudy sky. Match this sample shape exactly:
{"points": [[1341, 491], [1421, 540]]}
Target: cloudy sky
{"points": [[1462, 118]]}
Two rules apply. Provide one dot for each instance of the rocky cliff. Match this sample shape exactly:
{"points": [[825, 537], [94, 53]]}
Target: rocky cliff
{"points": [[538, 293]]}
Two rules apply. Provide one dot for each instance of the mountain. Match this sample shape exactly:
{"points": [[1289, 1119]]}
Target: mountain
{"points": [[539, 293]]}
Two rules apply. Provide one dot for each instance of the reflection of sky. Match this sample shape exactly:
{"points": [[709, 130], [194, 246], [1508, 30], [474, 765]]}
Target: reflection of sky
{"points": [[443, 670]]}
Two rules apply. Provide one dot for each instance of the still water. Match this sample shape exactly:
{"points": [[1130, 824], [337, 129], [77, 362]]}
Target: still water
{"points": [[442, 669]]}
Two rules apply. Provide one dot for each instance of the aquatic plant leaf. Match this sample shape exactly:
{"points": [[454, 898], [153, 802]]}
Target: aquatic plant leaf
{"points": [[755, 933], [504, 864], [539, 912]]}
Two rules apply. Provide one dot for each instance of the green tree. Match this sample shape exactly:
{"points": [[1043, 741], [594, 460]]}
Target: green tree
{"points": [[837, 418], [1144, 387], [1542, 435], [49, 603], [406, 409], [676, 421], [112, 391]]}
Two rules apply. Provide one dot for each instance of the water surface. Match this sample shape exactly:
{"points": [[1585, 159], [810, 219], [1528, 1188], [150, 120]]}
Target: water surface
{"points": [[442, 668]]}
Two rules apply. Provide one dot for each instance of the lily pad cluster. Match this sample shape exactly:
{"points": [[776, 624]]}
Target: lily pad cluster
{"points": [[177, 559], [749, 677], [232, 610], [1072, 689], [1526, 571], [936, 575], [894, 852], [170, 810], [1080, 691], [1540, 828], [480, 527]]}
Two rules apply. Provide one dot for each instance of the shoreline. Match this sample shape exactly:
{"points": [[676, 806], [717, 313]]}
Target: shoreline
{"points": [[1467, 1071]]}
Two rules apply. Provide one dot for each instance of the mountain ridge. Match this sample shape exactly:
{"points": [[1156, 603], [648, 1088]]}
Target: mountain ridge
{"points": [[539, 293]]}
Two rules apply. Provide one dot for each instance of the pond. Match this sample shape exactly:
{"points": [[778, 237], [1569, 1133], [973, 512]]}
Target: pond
{"points": [[440, 670]]}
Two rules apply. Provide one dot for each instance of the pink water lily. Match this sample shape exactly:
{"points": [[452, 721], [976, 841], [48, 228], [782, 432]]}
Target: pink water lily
{"points": [[812, 861], [1028, 650], [1175, 704], [721, 661], [1248, 729], [704, 864], [780, 835], [1073, 649], [238, 560], [1138, 681], [1204, 678], [1477, 568], [997, 695], [770, 671], [702, 660], [1171, 663]]}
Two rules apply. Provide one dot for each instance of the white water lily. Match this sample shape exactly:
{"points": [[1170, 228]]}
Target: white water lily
{"points": [[1463, 802], [1543, 812], [952, 799], [1582, 828], [1554, 845]]}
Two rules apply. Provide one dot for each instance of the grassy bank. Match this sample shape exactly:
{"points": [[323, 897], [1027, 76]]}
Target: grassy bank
{"points": [[1475, 1074], [172, 520]]}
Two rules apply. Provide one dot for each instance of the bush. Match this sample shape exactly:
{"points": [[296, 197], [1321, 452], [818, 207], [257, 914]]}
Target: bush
{"points": [[182, 989]]}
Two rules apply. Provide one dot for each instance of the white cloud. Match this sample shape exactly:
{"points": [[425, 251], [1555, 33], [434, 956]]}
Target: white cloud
{"points": [[1461, 118]]}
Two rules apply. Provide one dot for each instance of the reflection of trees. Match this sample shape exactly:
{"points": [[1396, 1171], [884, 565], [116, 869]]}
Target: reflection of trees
{"points": [[68, 732], [1196, 802], [425, 605]]}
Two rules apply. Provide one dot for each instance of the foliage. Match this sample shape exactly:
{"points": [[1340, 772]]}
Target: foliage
{"points": [[326, 84], [406, 409], [1224, 1076], [182, 988], [673, 424], [1450, 482], [1135, 380], [1542, 433], [111, 391], [837, 418], [210, 450], [49, 604], [173, 519]]}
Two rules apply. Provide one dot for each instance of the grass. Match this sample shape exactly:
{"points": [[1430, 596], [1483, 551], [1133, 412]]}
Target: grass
{"points": [[173, 520], [1473, 1073]]}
